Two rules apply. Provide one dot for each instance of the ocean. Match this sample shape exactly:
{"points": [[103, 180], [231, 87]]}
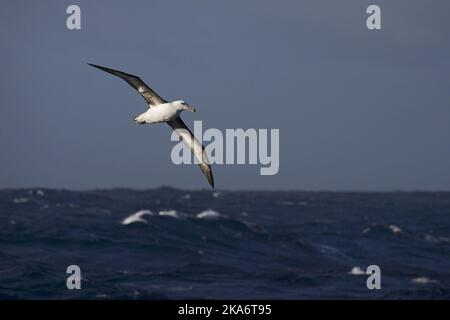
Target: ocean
{"points": [[174, 244]]}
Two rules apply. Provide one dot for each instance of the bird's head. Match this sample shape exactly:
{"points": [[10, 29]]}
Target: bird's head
{"points": [[181, 105]]}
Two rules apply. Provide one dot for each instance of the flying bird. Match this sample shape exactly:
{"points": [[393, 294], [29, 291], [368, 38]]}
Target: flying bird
{"points": [[161, 110]]}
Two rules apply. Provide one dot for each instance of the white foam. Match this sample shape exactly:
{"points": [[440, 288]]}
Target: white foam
{"points": [[137, 217], [216, 194], [169, 213], [208, 215], [357, 271], [423, 280], [329, 250], [395, 229], [40, 193], [20, 200], [187, 196], [430, 238]]}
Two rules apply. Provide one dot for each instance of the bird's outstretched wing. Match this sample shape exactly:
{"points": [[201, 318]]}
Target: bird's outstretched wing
{"points": [[196, 147], [149, 95]]}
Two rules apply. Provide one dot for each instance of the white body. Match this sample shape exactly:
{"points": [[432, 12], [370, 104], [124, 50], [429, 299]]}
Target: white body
{"points": [[160, 113], [163, 112]]}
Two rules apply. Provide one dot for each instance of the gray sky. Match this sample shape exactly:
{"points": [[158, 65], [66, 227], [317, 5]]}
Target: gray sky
{"points": [[356, 109]]}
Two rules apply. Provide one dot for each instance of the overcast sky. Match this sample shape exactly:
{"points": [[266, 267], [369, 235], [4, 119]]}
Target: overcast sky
{"points": [[356, 109]]}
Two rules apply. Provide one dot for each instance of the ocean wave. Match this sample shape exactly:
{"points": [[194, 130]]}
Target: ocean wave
{"points": [[423, 280], [137, 217], [169, 213], [432, 239], [38, 192], [395, 229], [187, 196], [21, 200], [244, 239], [366, 230], [374, 226], [208, 215], [357, 271]]}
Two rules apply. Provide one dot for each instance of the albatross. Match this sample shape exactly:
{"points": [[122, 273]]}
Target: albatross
{"points": [[160, 111]]}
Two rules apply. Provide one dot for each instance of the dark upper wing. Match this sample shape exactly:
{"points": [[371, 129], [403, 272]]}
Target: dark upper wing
{"points": [[149, 95], [197, 149]]}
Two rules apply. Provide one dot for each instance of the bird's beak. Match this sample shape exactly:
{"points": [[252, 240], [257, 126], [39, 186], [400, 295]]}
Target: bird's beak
{"points": [[189, 108]]}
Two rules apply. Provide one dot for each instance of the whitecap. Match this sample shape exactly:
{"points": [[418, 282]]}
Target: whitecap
{"points": [[357, 271], [423, 280], [370, 227], [430, 238], [366, 230], [169, 213], [329, 250], [208, 215], [216, 194], [20, 200], [179, 288], [187, 196], [395, 229], [137, 217]]}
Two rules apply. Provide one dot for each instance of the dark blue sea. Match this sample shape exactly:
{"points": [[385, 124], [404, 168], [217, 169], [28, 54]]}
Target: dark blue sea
{"points": [[173, 244]]}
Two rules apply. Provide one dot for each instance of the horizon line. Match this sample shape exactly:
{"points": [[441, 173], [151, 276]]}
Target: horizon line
{"points": [[230, 190]]}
